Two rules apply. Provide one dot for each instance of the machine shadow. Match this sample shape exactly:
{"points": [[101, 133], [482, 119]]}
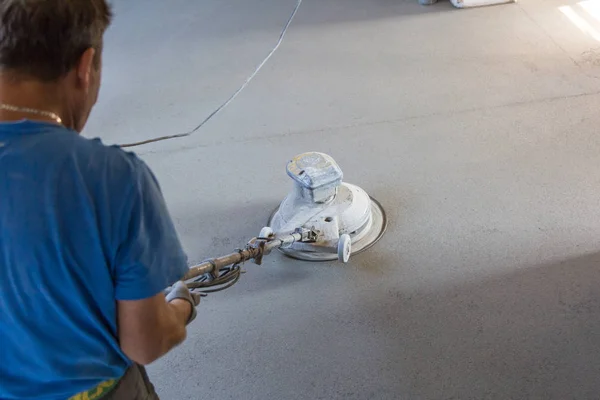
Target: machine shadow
{"points": [[533, 334]]}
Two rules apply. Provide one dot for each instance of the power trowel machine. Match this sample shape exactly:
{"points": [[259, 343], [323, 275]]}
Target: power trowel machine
{"points": [[322, 219]]}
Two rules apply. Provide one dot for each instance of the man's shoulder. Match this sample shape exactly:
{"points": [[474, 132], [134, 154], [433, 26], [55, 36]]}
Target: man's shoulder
{"points": [[93, 155], [99, 164]]}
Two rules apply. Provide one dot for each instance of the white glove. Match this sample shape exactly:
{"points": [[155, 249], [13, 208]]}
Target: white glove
{"points": [[181, 291]]}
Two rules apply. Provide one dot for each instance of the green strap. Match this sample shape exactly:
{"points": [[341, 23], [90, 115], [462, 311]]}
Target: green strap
{"points": [[97, 392]]}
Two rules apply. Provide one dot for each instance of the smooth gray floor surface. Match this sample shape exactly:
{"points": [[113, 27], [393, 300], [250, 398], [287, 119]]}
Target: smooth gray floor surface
{"points": [[478, 130]]}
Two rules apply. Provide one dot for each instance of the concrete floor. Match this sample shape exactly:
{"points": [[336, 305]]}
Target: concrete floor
{"points": [[478, 130]]}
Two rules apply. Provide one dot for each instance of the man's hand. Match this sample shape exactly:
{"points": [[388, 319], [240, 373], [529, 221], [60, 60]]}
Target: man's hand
{"points": [[151, 327], [181, 291]]}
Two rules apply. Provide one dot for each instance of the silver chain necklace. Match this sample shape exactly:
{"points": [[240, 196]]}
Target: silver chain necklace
{"points": [[48, 114]]}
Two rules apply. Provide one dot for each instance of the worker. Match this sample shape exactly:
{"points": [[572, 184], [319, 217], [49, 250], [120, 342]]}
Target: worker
{"points": [[87, 245]]}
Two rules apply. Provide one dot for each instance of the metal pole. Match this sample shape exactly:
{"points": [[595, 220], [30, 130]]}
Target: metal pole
{"points": [[255, 250], [216, 264]]}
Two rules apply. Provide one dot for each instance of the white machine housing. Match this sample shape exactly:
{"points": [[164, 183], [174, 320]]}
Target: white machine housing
{"points": [[319, 200]]}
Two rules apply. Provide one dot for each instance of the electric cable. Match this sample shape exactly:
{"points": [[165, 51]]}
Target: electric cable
{"points": [[232, 97], [228, 277]]}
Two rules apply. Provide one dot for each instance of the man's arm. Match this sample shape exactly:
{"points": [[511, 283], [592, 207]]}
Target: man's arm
{"points": [[149, 328], [148, 259]]}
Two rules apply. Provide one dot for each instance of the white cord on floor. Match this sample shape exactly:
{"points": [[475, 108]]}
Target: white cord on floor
{"points": [[234, 95]]}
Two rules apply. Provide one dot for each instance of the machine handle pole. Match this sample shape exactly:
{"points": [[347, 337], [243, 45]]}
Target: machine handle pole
{"points": [[216, 264], [254, 251]]}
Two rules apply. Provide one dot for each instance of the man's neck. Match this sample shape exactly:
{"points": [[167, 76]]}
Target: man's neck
{"points": [[34, 95]]}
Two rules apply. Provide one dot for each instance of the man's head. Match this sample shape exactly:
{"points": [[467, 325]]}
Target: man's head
{"points": [[58, 44]]}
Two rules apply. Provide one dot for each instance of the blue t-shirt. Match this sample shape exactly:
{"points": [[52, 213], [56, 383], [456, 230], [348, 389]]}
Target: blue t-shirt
{"points": [[82, 225]]}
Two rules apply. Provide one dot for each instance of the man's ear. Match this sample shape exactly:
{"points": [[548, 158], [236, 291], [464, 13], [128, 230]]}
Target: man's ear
{"points": [[84, 68]]}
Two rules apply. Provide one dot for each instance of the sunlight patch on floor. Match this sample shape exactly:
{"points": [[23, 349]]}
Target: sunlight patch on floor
{"points": [[585, 15]]}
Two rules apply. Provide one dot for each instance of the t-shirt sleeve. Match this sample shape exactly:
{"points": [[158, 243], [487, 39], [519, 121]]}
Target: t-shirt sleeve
{"points": [[150, 256]]}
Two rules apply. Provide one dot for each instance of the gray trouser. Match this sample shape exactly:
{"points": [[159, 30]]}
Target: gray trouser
{"points": [[134, 385]]}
